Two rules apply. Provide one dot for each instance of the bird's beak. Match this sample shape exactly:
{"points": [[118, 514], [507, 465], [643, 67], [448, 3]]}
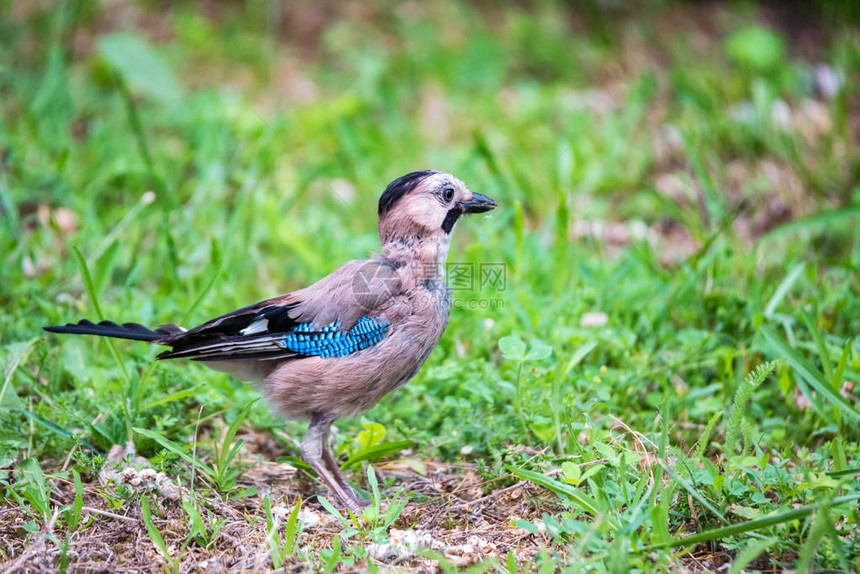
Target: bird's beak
{"points": [[478, 204]]}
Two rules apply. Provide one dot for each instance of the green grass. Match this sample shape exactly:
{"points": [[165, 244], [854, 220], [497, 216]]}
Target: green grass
{"points": [[194, 162]]}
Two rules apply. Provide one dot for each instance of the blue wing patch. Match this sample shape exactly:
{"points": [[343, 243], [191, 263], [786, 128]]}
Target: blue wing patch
{"points": [[329, 342]]}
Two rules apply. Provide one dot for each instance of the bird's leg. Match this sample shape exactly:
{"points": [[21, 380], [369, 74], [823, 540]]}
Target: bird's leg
{"points": [[332, 465], [314, 453]]}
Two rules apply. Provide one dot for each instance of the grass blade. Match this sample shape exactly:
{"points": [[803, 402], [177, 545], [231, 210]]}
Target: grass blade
{"points": [[750, 553], [820, 345], [179, 395], [226, 454], [78, 504], [840, 367], [560, 488], [783, 289], [18, 352], [178, 450], [272, 534], [822, 220], [216, 267], [817, 530], [333, 511], [153, 532], [36, 491], [578, 356], [89, 287], [374, 489], [291, 533], [809, 373], [845, 472], [751, 525], [376, 452], [58, 430], [692, 491], [705, 438]]}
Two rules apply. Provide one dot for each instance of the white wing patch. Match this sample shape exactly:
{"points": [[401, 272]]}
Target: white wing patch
{"points": [[259, 326]]}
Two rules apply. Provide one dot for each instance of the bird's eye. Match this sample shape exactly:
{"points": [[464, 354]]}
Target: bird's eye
{"points": [[448, 194]]}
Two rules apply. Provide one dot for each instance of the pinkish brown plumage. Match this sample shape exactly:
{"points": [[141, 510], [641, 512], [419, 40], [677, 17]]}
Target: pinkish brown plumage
{"points": [[337, 347]]}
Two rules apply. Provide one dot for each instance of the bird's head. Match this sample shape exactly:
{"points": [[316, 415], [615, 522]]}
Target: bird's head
{"points": [[425, 205]]}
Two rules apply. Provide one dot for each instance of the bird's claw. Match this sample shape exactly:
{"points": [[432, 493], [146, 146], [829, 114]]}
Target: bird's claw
{"points": [[355, 504]]}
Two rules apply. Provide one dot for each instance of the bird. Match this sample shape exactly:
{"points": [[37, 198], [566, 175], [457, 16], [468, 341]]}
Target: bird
{"points": [[335, 348]]}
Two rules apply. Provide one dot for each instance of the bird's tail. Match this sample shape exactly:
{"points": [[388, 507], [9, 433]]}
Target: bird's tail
{"points": [[133, 331]]}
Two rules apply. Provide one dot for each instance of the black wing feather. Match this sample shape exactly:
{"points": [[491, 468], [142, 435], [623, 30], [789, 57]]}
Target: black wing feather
{"points": [[221, 339], [133, 331]]}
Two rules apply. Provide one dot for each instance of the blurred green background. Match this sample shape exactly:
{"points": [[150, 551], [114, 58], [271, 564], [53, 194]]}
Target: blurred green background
{"points": [[678, 191]]}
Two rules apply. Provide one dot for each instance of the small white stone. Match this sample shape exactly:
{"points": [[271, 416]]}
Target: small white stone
{"points": [[638, 229], [28, 266], [780, 114], [148, 474], [827, 80], [309, 518], [743, 113], [594, 319], [169, 490], [402, 544]]}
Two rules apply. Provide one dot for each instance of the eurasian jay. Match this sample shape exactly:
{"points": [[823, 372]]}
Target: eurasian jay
{"points": [[337, 347]]}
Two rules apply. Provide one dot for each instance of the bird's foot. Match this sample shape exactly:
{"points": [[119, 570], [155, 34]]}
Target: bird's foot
{"points": [[354, 503]]}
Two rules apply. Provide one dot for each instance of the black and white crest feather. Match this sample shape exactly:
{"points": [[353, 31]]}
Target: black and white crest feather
{"points": [[402, 186]]}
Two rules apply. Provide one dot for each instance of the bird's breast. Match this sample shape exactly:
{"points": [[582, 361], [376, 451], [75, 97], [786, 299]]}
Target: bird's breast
{"points": [[347, 385]]}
